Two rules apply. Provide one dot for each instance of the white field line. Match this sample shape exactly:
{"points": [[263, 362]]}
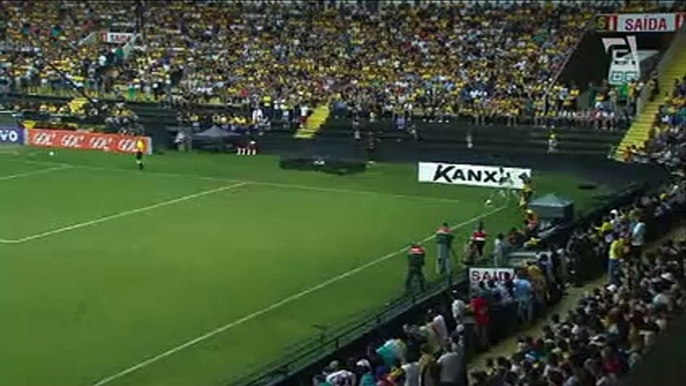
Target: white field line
{"points": [[123, 214], [264, 183], [33, 173], [290, 299]]}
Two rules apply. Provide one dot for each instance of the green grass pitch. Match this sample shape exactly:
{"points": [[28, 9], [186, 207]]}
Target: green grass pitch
{"points": [[203, 267]]}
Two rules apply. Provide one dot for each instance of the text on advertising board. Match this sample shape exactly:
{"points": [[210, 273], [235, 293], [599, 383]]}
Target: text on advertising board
{"points": [[478, 275], [84, 140], [473, 175], [641, 22], [11, 135], [116, 37]]}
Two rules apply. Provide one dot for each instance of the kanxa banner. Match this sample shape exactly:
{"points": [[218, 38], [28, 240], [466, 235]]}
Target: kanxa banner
{"points": [[12, 136], [473, 175], [68, 139], [641, 22]]}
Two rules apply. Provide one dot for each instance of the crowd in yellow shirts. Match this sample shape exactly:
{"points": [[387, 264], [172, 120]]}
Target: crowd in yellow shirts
{"points": [[448, 58]]}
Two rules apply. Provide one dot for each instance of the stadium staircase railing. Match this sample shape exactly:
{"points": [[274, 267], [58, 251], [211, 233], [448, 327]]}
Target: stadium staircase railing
{"points": [[672, 66], [314, 122]]}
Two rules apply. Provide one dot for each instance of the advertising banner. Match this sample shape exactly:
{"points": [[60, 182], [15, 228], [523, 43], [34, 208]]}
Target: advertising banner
{"points": [[625, 65], [473, 175], [478, 275], [11, 136], [115, 37], [67, 139], [641, 22]]}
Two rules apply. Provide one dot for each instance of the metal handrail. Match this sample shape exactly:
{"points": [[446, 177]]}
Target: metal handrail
{"points": [[308, 352]]}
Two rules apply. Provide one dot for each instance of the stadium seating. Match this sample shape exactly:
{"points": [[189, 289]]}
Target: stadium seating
{"points": [[600, 340], [448, 58]]}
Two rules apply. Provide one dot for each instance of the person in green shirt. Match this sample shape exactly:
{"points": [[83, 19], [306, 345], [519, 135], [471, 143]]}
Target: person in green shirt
{"points": [[415, 267], [444, 242]]}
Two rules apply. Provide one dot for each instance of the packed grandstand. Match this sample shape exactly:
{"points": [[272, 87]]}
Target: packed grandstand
{"points": [[449, 58], [245, 67]]}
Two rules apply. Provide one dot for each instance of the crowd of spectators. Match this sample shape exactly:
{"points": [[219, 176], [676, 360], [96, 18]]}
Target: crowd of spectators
{"points": [[452, 58], [667, 143], [595, 343]]}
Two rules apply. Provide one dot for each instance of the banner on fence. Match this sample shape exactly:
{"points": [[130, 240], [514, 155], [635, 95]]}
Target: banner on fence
{"points": [[85, 140], [473, 175], [115, 37], [486, 274], [641, 22], [11, 136]]}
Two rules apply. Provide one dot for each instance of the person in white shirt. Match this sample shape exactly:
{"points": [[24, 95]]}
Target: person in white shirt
{"points": [[257, 115], [453, 367], [440, 327], [638, 232], [411, 370]]}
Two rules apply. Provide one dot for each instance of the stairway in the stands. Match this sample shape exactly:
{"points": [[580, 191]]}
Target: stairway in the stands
{"points": [[314, 122], [640, 129]]}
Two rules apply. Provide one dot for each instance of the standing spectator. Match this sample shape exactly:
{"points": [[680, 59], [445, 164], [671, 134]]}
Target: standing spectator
{"points": [[499, 250], [458, 307], [638, 232], [411, 372], [428, 368], [615, 254], [453, 367], [439, 326], [367, 376], [523, 291], [482, 319]]}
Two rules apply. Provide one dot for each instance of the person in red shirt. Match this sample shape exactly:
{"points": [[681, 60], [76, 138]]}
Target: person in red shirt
{"points": [[482, 319], [479, 239]]}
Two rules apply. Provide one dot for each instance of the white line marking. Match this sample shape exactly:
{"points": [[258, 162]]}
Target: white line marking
{"points": [[33, 173], [368, 192], [122, 214], [265, 183], [274, 306]]}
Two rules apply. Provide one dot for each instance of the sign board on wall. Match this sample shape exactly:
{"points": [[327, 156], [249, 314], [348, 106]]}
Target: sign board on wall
{"points": [[68, 139], [625, 65], [479, 275], [641, 22], [11, 136], [115, 37], [473, 175]]}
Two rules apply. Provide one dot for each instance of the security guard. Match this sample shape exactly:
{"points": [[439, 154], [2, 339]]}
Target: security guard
{"points": [[415, 267]]}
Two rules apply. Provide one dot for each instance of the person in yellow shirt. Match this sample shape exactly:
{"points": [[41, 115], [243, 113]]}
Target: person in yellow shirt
{"points": [[615, 255], [140, 148]]}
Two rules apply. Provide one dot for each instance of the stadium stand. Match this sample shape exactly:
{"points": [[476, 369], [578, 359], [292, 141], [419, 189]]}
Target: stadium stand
{"points": [[205, 63], [398, 59], [598, 341]]}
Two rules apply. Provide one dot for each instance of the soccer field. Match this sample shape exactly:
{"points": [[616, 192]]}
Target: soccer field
{"points": [[203, 267]]}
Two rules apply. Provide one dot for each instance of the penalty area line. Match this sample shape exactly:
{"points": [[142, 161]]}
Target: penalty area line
{"points": [[287, 300], [122, 214]]}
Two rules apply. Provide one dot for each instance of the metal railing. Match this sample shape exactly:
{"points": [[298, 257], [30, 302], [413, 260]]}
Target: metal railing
{"points": [[300, 357]]}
